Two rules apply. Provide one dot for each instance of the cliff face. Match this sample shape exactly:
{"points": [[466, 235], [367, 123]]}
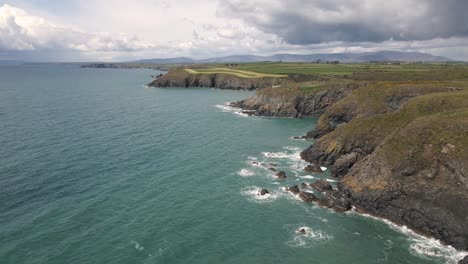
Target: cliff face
{"points": [[401, 154], [179, 78], [418, 177], [283, 102], [373, 99]]}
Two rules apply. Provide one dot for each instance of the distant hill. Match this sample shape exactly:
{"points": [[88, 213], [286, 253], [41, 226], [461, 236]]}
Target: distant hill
{"points": [[341, 57], [167, 61]]}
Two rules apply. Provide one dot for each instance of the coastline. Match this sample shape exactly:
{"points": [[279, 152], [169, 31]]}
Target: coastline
{"points": [[422, 243], [358, 124], [341, 165]]}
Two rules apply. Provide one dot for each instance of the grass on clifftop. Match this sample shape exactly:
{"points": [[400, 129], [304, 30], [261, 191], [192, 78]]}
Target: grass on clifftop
{"points": [[367, 132], [300, 72], [237, 73]]}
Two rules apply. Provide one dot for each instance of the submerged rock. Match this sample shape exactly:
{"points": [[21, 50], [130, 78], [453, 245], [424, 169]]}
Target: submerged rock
{"points": [[281, 175], [264, 192], [308, 197], [313, 168], [303, 231]]}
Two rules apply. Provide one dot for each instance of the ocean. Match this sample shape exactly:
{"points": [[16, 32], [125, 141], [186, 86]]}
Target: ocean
{"points": [[97, 168]]}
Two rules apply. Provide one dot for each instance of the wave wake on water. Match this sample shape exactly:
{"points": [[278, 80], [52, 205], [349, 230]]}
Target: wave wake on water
{"points": [[308, 239], [226, 108], [253, 194], [290, 156], [423, 246], [245, 173]]}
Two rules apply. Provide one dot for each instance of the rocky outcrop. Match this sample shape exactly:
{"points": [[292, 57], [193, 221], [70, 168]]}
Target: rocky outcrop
{"points": [[294, 189], [313, 168], [180, 78], [418, 177], [464, 261], [406, 163], [293, 102], [372, 99], [321, 186]]}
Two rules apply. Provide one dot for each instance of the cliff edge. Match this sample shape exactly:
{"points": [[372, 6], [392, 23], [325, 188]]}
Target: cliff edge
{"points": [[400, 152]]}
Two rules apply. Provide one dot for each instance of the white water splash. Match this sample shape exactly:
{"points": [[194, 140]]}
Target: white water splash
{"points": [[253, 194], [308, 177], [423, 246], [226, 108], [137, 245], [246, 173], [309, 238]]}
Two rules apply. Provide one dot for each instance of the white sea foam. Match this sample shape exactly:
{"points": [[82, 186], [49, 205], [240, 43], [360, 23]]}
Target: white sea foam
{"points": [[424, 246], [309, 177], [323, 219], [253, 194], [292, 148], [137, 245], [297, 138], [276, 155], [294, 161], [324, 168], [331, 180], [245, 173], [308, 239], [290, 195], [230, 109]]}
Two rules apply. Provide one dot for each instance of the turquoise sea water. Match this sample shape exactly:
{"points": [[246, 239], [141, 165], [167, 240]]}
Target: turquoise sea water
{"points": [[96, 168]]}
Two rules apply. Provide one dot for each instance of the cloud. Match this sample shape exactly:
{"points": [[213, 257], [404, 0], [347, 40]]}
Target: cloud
{"points": [[209, 28], [20, 31], [305, 22]]}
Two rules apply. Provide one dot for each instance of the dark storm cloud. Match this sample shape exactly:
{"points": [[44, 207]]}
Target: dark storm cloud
{"points": [[319, 21]]}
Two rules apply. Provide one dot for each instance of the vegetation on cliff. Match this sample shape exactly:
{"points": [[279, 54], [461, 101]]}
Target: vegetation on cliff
{"points": [[400, 150]]}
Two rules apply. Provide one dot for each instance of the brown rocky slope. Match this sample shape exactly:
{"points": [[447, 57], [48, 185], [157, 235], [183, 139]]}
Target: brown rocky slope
{"points": [[409, 163]]}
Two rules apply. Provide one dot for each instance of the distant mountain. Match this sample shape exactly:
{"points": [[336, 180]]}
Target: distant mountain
{"points": [[167, 61], [341, 57]]}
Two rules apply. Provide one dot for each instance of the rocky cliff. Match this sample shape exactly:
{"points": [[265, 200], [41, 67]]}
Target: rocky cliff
{"points": [[400, 150], [180, 78], [294, 102]]}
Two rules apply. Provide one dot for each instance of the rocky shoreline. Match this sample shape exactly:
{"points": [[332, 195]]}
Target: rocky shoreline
{"points": [[398, 151]]}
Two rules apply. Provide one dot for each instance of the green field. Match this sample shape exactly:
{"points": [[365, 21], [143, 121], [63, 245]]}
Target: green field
{"points": [[300, 72], [235, 72]]}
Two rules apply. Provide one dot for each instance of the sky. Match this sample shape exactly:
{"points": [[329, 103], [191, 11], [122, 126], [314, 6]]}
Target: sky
{"points": [[123, 30]]}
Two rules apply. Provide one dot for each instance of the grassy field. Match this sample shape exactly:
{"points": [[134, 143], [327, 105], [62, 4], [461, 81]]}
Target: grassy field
{"points": [[300, 72], [235, 72], [313, 77]]}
